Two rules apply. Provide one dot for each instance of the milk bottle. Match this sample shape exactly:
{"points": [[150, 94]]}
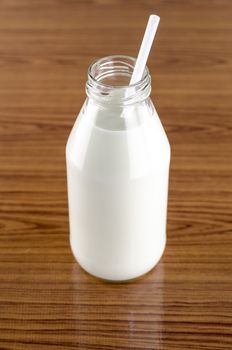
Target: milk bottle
{"points": [[117, 169]]}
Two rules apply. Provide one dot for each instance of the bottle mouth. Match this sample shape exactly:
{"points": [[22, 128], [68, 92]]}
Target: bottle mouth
{"points": [[109, 78]]}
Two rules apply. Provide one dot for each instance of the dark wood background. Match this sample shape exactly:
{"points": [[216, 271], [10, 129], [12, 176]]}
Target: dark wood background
{"points": [[46, 300]]}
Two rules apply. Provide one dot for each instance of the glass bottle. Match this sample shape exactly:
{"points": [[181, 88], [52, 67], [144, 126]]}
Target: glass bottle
{"points": [[118, 159]]}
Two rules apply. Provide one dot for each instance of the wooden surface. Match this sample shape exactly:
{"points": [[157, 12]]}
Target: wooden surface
{"points": [[46, 300]]}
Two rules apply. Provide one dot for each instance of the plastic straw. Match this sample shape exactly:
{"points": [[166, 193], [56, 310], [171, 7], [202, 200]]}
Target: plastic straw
{"points": [[145, 48]]}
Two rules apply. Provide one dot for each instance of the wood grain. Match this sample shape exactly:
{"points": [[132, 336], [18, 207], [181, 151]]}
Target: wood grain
{"points": [[46, 300]]}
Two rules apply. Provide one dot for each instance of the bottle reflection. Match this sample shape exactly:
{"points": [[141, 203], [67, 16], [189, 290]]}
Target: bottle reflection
{"points": [[117, 315]]}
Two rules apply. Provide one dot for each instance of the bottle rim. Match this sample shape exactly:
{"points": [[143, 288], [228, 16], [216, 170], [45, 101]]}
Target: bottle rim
{"points": [[116, 66]]}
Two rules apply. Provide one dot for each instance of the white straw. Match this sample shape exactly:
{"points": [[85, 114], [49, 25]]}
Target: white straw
{"points": [[145, 48]]}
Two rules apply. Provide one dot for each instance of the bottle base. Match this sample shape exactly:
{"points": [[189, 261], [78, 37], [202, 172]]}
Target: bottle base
{"points": [[87, 266]]}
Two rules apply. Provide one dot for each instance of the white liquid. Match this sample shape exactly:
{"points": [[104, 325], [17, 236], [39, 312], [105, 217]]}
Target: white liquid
{"points": [[117, 188]]}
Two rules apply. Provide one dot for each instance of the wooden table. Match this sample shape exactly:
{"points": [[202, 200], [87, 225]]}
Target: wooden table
{"points": [[46, 300]]}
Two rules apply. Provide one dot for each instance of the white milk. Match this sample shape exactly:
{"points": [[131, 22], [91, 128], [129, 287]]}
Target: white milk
{"points": [[118, 166]]}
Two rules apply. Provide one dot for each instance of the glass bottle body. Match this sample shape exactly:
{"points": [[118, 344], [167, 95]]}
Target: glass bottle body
{"points": [[118, 159]]}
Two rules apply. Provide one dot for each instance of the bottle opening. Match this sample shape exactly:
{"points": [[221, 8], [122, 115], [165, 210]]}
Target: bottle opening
{"points": [[109, 78]]}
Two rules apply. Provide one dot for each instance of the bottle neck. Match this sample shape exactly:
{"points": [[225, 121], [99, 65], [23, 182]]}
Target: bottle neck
{"points": [[109, 78]]}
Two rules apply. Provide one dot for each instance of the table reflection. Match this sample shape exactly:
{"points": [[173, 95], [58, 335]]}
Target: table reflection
{"points": [[117, 315]]}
